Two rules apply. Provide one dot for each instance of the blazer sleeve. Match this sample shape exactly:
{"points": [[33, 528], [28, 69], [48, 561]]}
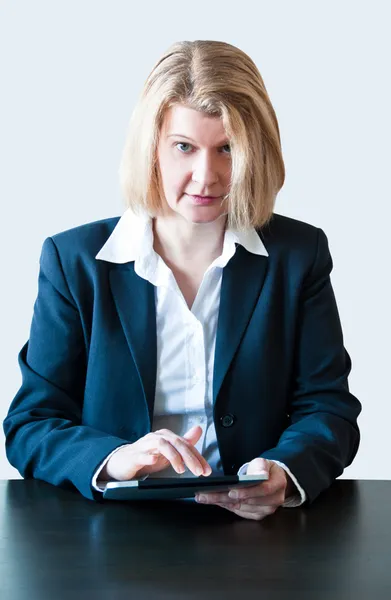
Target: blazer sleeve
{"points": [[45, 437], [323, 436]]}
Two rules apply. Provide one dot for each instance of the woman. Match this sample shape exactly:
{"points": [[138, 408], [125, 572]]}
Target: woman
{"points": [[199, 331]]}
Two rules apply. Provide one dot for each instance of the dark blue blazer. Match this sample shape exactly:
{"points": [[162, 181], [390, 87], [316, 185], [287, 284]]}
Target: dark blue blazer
{"points": [[89, 366]]}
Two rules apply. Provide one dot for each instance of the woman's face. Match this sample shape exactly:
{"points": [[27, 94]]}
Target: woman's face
{"points": [[194, 160]]}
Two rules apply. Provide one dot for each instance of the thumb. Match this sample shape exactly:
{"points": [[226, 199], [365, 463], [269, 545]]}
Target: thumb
{"points": [[193, 434], [258, 466]]}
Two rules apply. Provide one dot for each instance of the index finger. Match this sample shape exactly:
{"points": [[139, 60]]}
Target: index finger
{"points": [[190, 455], [187, 449]]}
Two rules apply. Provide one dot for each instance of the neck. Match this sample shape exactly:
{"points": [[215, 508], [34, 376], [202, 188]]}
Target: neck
{"points": [[181, 242]]}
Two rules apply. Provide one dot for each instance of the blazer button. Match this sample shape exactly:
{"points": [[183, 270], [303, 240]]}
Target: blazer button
{"points": [[227, 420]]}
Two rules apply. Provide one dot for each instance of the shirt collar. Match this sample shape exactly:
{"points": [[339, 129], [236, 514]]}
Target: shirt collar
{"points": [[132, 238]]}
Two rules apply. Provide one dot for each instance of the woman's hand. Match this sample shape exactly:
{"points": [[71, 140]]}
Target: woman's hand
{"points": [[258, 501], [155, 452]]}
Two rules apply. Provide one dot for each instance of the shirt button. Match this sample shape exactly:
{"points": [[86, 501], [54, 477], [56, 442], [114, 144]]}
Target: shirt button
{"points": [[227, 420]]}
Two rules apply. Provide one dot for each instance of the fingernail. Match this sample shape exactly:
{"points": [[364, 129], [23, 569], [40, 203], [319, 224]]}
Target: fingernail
{"points": [[201, 498], [233, 494]]}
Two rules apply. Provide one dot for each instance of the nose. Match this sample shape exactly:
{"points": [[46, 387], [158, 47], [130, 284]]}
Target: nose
{"points": [[205, 169]]}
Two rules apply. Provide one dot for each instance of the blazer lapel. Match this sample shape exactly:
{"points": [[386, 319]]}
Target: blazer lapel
{"points": [[135, 302], [242, 282]]}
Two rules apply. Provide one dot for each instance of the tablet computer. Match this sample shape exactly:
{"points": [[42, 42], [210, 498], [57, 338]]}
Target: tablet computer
{"points": [[176, 487]]}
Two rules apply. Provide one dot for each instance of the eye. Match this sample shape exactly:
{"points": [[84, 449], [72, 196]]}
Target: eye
{"points": [[183, 151], [183, 144]]}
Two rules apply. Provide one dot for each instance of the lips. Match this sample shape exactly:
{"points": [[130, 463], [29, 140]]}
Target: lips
{"points": [[203, 199], [206, 197]]}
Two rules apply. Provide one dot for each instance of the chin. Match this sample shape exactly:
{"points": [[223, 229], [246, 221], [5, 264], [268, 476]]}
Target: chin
{"points": [[204, 215]]}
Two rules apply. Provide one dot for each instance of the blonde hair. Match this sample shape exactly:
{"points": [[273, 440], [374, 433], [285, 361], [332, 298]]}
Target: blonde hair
{"points": [[219, 80]]}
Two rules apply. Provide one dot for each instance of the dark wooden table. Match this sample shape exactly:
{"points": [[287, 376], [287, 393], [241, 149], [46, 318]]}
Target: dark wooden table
{"points": [[54, 544]]}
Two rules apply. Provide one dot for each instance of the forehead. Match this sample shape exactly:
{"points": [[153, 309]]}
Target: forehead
{"points": [[199, 126]]}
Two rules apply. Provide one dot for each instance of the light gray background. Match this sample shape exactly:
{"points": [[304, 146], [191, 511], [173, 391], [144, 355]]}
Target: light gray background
{"points": [[70, 75]]}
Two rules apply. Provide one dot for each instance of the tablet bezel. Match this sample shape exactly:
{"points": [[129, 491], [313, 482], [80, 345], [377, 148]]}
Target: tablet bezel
{"points": [[176, 487]]}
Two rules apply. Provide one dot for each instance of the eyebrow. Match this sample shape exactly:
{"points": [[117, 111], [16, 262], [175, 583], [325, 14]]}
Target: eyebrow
{"points": [[180, 135]]}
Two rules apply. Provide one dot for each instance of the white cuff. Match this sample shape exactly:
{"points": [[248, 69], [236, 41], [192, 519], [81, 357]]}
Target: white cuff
{"points": [[295, 499], [99, 486]]}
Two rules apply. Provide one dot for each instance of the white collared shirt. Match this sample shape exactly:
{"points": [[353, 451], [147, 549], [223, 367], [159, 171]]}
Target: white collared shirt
{"points": [[186, 338]]}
